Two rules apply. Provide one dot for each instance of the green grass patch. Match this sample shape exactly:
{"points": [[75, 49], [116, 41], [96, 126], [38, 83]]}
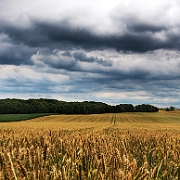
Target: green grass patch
{"points": [[20, 117]]}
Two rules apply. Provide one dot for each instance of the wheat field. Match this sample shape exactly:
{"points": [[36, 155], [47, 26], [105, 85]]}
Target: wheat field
{"points": [[123, 146]]}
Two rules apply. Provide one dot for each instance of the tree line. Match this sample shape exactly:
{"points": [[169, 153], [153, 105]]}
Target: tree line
{"points": [[42, 105]]}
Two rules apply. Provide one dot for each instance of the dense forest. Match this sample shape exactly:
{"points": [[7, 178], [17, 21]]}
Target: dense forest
{"points": [[21, 106]]}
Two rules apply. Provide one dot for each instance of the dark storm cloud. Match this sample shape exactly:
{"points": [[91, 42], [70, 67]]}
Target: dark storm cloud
{"points": [[83, 58], [140, 28], [15, 85], [70, 61], [16, 55], [65, 36]]}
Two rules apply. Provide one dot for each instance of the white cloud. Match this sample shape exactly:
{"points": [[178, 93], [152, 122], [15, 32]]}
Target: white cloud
{"points": [[100, 16]]}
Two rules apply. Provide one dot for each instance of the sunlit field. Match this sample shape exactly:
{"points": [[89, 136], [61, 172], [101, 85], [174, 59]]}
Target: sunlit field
{"points": [[118, 146], [160, 120]]}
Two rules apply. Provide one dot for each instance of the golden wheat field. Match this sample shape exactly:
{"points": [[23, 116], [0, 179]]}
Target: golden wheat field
{"points": [[122, 146]]}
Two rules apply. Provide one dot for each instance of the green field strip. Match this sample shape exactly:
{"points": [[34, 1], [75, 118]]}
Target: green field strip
{"points": [[20, 117]]}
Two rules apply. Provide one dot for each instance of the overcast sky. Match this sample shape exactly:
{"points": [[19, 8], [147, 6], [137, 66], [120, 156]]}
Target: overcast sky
{"points": [[112, 51]]}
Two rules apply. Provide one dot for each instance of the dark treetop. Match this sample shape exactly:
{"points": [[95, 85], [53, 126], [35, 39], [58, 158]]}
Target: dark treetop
{"points": [[21, 106]]}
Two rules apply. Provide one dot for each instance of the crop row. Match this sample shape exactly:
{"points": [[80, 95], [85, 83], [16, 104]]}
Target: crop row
{"points": [[106, 155]]}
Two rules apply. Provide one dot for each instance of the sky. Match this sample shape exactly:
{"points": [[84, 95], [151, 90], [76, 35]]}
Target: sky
{"points": [[111, 51]]}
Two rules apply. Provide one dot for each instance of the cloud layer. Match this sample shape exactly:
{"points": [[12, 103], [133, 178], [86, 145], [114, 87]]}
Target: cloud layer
{"points": [[115, 51]]}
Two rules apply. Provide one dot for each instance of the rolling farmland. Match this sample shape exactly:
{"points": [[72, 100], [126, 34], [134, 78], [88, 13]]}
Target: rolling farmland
{"points": [[98, 146], [162, 119]]}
